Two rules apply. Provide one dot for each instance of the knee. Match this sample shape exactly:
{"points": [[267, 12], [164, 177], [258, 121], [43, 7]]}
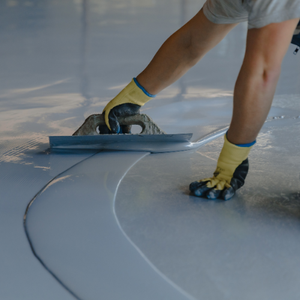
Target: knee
{"points": [[264, 70], [271, 73]]}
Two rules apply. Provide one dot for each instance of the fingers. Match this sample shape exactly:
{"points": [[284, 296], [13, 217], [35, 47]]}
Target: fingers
{"points": [[125, 129], [205, 189], [112, 126], [199, 188], [113, 122], [103, 129], [213, 194], [228, 193], [123, 110]]}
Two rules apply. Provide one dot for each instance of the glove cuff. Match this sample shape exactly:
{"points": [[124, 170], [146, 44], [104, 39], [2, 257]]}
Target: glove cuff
{"points": [[230, 158], [143, 89]]}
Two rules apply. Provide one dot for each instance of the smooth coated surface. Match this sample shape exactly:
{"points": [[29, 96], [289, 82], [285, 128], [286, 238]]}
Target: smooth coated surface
{"points": [[62, 61], [25, 170], [245, 248], [76, 213]]}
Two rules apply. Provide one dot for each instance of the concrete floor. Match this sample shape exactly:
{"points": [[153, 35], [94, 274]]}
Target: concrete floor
{"points": [[122, 225]]}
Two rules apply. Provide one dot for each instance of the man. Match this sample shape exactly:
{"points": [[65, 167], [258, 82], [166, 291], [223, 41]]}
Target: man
{"points": [[271, 24]]}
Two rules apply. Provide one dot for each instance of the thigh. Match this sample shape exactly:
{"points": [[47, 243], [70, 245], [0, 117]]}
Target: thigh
{"points": [[268, 45]]}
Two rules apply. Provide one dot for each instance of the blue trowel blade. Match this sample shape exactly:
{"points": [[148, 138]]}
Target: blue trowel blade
{"points": [[125, 142]]}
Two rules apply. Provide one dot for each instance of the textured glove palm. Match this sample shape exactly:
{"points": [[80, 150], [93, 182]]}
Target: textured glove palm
{"points": [[232, 169], [127, 103]]}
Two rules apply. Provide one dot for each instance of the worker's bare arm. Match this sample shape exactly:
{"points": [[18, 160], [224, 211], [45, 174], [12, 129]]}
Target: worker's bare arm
{"points": [[175, 57], [181, 51], [257, 80]]}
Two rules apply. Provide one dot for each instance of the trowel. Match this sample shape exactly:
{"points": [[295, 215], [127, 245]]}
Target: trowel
{"points": [[151, 138]]}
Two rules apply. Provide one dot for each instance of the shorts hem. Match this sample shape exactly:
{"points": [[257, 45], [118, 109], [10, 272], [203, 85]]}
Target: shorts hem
{"points": [[274, 18], [221, 20]]}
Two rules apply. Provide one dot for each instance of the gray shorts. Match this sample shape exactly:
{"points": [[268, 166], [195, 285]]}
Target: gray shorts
{"points": [[258, 13]]}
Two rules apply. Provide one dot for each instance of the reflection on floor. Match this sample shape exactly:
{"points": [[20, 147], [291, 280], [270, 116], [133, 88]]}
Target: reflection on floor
{"points": [[245, 248], [63, 60], [76, 214]]}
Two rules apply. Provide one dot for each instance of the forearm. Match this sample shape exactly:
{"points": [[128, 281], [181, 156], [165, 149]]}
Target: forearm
{"points": [[171, 62], [181, 51]]}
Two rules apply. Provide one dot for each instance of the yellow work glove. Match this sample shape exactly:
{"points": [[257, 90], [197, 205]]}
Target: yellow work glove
{"points": [[127, 103], [229, 176]]}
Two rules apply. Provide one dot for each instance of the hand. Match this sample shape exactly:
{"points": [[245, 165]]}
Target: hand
{"points": [[217, 188], [123, 110], [230, 175], [127, 103]]}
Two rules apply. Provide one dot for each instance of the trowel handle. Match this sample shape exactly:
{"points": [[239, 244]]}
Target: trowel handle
{"points": [[92, 123]]}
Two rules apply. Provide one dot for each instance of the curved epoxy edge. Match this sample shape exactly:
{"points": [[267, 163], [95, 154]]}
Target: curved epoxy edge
{"points": [[138, 249], [28, 236], [189, 146]]}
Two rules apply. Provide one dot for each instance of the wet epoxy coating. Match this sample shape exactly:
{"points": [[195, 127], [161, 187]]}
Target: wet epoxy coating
{"points": [[24, 170], [245, 248], [76, 214], [62, 61]]}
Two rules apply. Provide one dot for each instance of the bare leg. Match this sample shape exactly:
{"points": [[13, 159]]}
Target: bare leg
{"points": [[181, 51], [257, 80]]}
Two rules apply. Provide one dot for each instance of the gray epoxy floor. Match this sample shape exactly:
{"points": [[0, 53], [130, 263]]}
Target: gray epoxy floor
{"points": [[246, 248], [63, 60], [76, 213]]}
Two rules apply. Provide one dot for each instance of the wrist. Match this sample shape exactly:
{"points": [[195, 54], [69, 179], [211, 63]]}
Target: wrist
{"points": [[142, 88], [230, 158]]}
